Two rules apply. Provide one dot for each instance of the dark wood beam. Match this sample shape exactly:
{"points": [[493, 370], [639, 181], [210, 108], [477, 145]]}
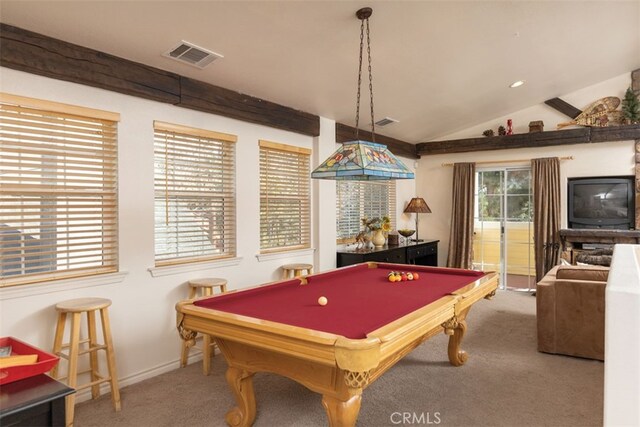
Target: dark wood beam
{"points": [[39, 54], [615, 133], [202, 96], [563, 107], [345, 133], [574, 136], [531, 140]]}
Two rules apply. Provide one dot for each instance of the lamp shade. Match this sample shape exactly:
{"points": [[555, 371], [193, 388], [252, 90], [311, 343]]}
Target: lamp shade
{"points": [[362, 161], [417, 205]]}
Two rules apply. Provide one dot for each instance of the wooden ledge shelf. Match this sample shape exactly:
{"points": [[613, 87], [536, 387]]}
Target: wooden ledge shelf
{"points": [[583, 135]]}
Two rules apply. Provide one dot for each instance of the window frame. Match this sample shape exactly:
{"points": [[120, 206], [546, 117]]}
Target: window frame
{"points": [[198, 139], [302, 157], [78, 186]]}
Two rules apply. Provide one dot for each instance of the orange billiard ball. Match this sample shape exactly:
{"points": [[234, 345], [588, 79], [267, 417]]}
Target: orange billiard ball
{"points": [[416, 276], [323, 301]]}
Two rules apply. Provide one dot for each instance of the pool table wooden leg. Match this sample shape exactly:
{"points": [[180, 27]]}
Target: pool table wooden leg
{"points": [[342, 413], [457, 356], [241, 383]]}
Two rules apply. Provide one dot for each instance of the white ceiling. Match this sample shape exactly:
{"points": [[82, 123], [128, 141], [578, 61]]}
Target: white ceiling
{"points": [[438, 66]]}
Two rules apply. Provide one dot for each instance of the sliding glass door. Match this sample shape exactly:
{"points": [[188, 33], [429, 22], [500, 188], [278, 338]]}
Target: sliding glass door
{"points": [[503, 226]]}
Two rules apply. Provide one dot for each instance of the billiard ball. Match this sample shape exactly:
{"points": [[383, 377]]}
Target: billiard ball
{"points": [[409, 276], [323, 300], [416, 276]]}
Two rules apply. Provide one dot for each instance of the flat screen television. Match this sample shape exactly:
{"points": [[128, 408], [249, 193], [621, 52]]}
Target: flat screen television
{"points": [[601, 202]]}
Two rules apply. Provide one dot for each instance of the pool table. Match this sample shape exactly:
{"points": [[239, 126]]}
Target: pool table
{"points": [[338, 349]]}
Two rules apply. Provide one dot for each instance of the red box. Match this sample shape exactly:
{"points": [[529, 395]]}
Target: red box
{"points": [[46, 361]]}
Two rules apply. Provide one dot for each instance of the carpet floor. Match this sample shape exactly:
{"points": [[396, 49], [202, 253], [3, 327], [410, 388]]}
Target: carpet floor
{"points": [[505, 382]]}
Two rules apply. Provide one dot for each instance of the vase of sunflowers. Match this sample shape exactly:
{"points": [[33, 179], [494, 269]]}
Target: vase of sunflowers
{"points": [[378, 226]]}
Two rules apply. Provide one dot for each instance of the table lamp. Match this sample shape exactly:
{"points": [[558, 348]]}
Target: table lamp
{"points": [[417, 205]]}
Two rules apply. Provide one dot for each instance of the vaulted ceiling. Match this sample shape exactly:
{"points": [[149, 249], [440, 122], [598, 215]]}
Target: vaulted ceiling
{"points": [[438, 66]]}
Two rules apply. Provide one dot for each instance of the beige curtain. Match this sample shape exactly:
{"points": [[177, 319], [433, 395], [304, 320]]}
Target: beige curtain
{"points": [[545, 174], [461, 235]]}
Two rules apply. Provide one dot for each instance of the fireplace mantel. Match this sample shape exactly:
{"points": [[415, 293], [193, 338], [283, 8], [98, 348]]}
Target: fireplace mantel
{"points": [[575, 237]]}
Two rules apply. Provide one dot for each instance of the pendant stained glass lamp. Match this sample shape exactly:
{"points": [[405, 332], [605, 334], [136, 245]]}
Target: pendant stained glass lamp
{"points": [[363, 160]]}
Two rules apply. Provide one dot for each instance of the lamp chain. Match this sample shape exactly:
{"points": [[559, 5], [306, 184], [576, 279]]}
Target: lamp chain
{"points": [[359, 79], [373, 124]]}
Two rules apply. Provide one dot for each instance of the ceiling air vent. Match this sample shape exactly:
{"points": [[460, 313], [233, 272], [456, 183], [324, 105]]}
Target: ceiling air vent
{"points": [[386, 121], [192, 54]]}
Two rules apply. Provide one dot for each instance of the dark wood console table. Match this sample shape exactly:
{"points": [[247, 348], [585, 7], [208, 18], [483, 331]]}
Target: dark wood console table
{"points": [[34, 401], [420, 253]]}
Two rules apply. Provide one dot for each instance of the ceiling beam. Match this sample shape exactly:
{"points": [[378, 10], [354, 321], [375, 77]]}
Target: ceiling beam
{"points": [[206, 97], [563, 107], [345, 133], [39, 54]]}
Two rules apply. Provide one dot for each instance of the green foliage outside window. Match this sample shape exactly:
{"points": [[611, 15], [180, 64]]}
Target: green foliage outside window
{"points": [[491, 195]]}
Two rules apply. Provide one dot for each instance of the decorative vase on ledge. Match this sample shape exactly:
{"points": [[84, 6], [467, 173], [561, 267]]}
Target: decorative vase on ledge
{"points": [[378, 239]]}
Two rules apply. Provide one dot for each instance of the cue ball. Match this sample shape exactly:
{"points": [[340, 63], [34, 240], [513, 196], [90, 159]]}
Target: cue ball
{"points": [[323, 300]]}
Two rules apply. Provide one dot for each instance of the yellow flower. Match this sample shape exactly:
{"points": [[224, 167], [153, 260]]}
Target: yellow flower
{"points": [[386, 226]]}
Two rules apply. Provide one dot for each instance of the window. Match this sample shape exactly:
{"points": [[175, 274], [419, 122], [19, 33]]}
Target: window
{"points": [[58, 191], [360, 199], [284, 197], [195, 201]]}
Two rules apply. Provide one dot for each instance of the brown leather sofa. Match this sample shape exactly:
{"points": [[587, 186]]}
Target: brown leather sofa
{"points": [[570, 311]]}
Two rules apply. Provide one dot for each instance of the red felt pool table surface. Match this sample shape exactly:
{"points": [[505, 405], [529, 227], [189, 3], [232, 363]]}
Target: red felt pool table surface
{"points": [[360, 298]]}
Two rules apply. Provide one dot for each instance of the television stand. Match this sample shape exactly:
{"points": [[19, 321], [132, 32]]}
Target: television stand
{"points": [[576, 240]]}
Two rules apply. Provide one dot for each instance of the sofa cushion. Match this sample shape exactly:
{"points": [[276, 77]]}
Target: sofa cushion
{"points": [[591, 272]]}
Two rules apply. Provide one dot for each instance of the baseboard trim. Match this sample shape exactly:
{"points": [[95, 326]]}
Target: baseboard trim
{"points": [[84, 395]]}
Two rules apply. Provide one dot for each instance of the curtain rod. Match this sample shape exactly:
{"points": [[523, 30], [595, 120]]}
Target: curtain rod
{"points": [[507, 161]]}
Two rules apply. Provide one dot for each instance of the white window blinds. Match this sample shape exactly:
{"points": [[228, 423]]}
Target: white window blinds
{"points": [[360, 199], [58, 191], [284, 197], [195, 201]]}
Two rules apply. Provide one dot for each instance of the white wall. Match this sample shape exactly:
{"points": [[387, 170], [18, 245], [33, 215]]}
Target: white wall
{"points": [[621, 345], [434, 181], [324, 201], [143, 314]]}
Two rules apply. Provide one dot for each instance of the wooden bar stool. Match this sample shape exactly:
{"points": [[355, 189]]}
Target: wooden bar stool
{"points": [[203, 287], [296, 269], [75, 308]]}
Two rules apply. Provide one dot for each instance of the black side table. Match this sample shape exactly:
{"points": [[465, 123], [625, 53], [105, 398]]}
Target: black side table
{"points": [[418, 253], [34, 401]]}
